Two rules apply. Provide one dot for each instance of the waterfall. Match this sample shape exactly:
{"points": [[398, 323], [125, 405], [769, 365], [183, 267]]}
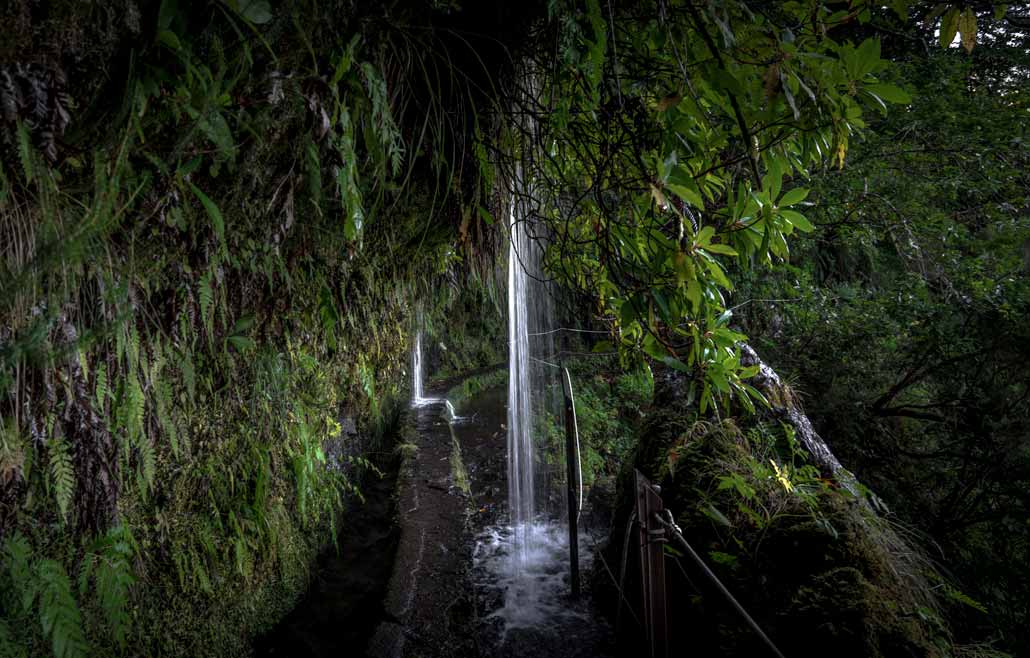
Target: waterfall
{"points": [[532, 382], [520, 405], [418, 397], [416, 370]]}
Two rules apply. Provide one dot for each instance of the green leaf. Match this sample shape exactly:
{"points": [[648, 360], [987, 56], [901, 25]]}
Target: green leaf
{"points": [[170, 39], [241, 343], [949, 27], [890, 93], [258, 12], [705, 235], [720, 249], [714, 514], [718, 274], [25, 152], [690, 196], [797, 220], [694, 293], [212, 212], [797, 195], [967, 27], [868, 54]]}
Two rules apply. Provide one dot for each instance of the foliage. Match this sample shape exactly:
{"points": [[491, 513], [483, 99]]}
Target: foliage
{"points": [[903, 316], [460, 394], [681, 133], [609, 406], [195, 299]]}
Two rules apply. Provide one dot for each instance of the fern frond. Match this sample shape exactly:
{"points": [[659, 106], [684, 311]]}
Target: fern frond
{"points": [[102, 389], [207, 297], [111, 562], [136, 406], [58, 612], [18, 557], [25, 153], [163, 398], [9, 646], [133, 348], [148, 463], [62, 475], [388, 134]]}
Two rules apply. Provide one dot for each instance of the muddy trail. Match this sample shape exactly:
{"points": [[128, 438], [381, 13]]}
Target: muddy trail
{"points": [[424, 571]]}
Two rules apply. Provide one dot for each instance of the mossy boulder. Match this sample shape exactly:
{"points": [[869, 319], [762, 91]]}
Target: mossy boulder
{"points": [[815, 566]]}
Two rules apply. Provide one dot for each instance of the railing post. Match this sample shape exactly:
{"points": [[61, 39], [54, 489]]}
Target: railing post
{"points": [[572, 480], [652, 565]]}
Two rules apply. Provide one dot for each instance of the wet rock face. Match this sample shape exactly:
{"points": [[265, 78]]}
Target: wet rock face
{"points": [[55, 57], [81, 38]]}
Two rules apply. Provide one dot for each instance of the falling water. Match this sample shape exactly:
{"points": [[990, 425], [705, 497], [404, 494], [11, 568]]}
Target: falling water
{"points": [[524, 564], [520, 396], [418, 397], [416, 371]]}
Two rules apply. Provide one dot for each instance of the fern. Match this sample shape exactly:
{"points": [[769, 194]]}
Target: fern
{"points": [[9, 646], [148, 463], [18, 556], [163, 398], [58, 612], [133, 348], [382, 119], [62, 475], [25, 153], [134, 410], [103, 390], [109, 564], [347, 178], [207, 297]]}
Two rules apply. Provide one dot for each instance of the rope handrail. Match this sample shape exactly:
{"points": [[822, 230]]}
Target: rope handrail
{"points": [[670, 525]]}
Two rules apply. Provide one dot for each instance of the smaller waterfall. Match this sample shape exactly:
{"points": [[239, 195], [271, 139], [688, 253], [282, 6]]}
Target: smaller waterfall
{"points": [[418, 397], [417, 387]]}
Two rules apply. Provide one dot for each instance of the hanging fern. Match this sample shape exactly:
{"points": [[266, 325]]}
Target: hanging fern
{"points": [[135, 405], [62, 475], [163, 399], [347, 178], [58, 612], [109, 565], [147, 464], [382, 119]]}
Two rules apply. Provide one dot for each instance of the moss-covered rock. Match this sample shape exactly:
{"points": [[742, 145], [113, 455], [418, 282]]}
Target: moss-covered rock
{"points": [[815, 566]]}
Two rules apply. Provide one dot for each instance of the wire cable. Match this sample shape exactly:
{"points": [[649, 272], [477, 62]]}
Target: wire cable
{"points": [[670, 525]]}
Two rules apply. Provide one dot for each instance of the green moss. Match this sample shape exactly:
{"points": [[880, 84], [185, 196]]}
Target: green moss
{"points": [[813, 565], [460, 394], [459, 475]]}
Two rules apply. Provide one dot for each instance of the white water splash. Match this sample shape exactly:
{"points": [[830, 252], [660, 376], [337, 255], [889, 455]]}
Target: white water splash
{"points": [[536, 595]]}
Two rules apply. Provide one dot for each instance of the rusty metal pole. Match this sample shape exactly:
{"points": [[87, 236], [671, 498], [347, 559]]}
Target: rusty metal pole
{"points": [[572, 480], [652, 565]]}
